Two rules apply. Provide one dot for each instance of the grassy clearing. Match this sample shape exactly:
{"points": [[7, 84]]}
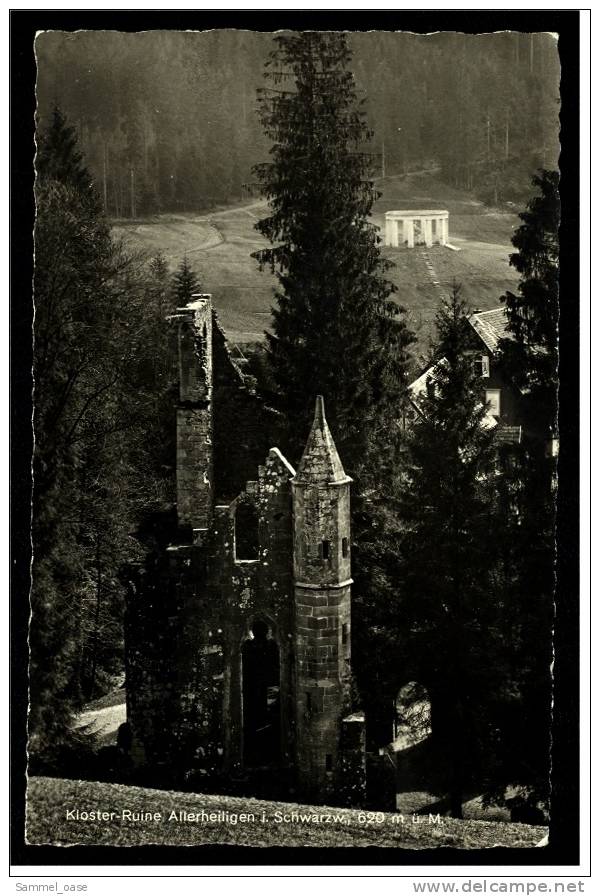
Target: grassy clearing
{"points": [[49, 801], [174, 235], [219, 247], [481, 267]]}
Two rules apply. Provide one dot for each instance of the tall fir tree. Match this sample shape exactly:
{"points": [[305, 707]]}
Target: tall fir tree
{"points": [[531, 356], [336, 330], [102, 385], [185, 283], [530, 361], [73, 259], [58, 158], [525, 550], [449, 598]]}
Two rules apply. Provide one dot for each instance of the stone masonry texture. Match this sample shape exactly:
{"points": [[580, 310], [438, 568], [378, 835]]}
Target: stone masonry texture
{"points": [[194, 604]]}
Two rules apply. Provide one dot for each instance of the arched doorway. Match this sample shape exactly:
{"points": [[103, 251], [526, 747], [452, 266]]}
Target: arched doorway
{"points": [[261, 706], [412, 723]]}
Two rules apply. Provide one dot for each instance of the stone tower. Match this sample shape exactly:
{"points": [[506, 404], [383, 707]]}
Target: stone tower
{"points": [[238, 629], [321, 502], [195, 414]]}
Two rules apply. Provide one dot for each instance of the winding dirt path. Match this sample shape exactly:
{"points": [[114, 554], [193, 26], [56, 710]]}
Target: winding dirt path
{"points": [[188, 229]]}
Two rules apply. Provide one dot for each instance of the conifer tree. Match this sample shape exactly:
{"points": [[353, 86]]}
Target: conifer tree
{"points": [[185, 283], [73, 257], [525, 547], [531, 356], [336, 330], [58, 158], [100, 390], [449, 596], [530, 360]]}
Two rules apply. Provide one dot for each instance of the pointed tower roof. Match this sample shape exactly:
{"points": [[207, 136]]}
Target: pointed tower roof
{"points": [[320, 464]]}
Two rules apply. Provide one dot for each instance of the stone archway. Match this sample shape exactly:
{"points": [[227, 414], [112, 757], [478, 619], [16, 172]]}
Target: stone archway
{"points": [[261, 697], [412, 722]]}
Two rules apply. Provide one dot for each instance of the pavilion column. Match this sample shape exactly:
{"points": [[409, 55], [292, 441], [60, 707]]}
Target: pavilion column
{"points": [[428, 237], [445, 230], [410, 233], [389, 232]]}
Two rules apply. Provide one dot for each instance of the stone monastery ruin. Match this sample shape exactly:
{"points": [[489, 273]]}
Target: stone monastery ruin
{"points": [[238, 634]]}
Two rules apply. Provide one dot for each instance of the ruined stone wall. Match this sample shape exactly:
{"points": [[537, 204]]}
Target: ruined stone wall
{"points": [[257, 588], [187, 627], [219, 415], [354, 760], [244, 427], [267, 546], [174, 672], [194, 466], [195, 414]]}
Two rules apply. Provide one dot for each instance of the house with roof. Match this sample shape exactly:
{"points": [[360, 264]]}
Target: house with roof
{"points": [[502, 399]]}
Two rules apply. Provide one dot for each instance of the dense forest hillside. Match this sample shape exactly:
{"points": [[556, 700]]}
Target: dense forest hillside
{"points": [[167, 120]]}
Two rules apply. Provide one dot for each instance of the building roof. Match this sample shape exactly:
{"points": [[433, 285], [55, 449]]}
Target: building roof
{"points": [[491, 326], [398, 214], [418, 390], [320, 464]]}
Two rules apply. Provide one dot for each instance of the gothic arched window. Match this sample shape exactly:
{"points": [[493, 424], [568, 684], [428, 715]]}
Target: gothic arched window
{"points": [[246, 532]]}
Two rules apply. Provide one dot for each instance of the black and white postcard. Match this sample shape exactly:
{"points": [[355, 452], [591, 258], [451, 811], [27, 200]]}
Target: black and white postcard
{"points": [[301, 533]]}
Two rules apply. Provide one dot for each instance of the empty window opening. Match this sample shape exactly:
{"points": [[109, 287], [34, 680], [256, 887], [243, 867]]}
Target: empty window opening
{"points": [[413, 713], [308, 703], [325, 547], [246, 532], [328, 762], [345, 632], [481, 365], [261, 702], [344, 547]]}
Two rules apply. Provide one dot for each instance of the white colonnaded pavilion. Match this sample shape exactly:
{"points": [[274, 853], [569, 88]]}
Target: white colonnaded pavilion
{"points": [[416, 227]]}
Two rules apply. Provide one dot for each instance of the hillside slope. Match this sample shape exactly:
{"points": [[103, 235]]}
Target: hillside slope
{"points": [[188, 819], [219, 247]]}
